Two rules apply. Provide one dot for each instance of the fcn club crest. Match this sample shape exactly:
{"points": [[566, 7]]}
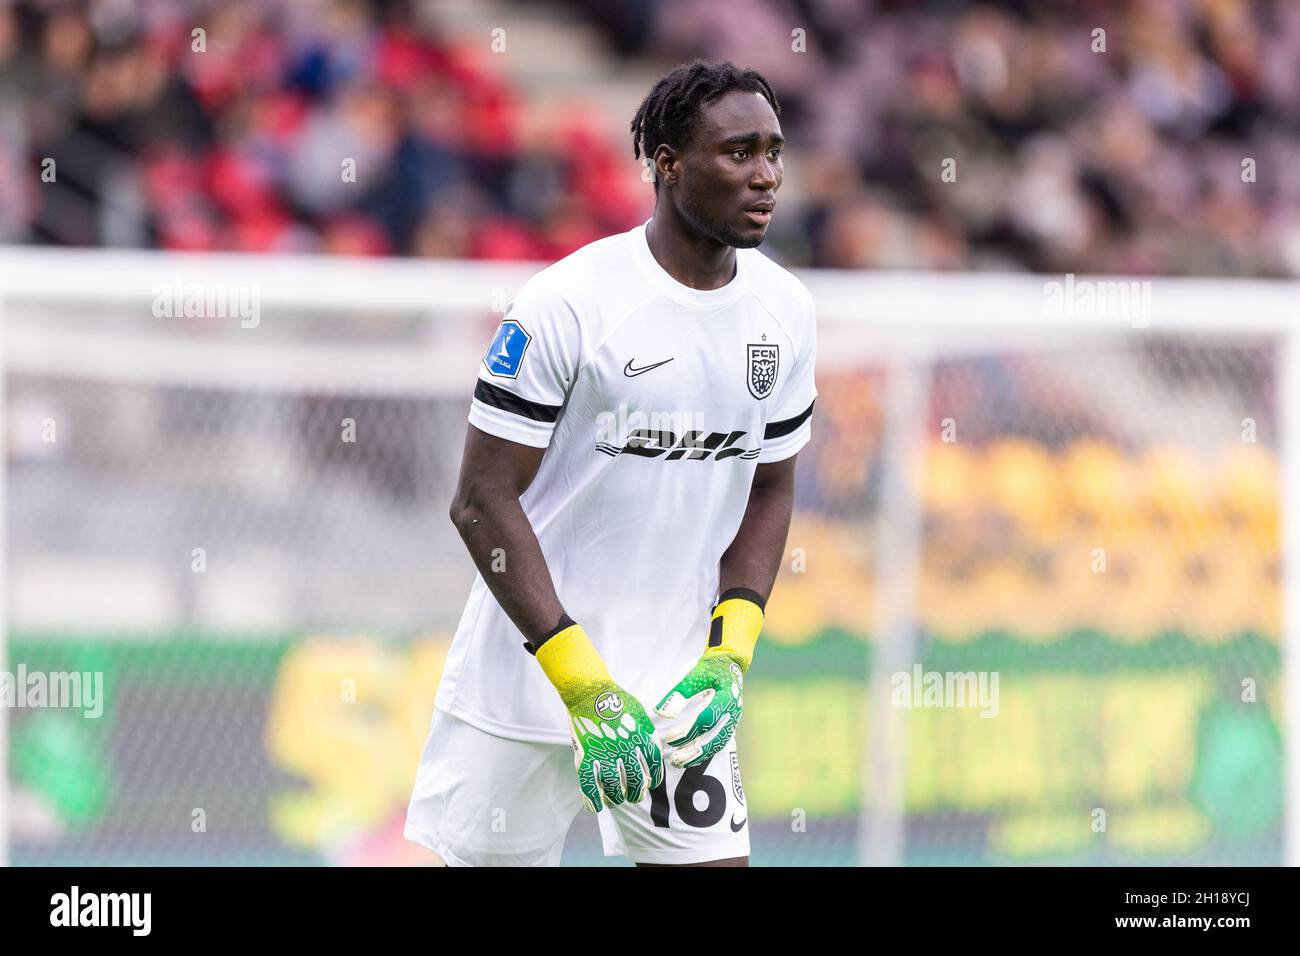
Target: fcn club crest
{"points": [[762, 369]]}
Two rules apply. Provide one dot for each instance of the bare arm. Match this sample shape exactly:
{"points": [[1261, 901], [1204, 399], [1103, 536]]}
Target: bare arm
{"points": [[754, 557], [486, 511]]}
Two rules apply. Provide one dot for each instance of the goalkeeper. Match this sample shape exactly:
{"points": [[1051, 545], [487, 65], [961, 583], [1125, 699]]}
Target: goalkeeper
{"points": [[625, 492]]}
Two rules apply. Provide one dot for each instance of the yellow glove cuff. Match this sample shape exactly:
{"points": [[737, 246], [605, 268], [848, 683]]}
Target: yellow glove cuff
{"points": [[571, 662], [734, 630]]}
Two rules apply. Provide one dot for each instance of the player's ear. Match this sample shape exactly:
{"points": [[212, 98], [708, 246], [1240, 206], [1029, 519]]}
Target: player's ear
{"points": [[666, 161]]}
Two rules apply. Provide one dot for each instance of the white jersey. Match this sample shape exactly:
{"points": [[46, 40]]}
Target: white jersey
{"points": [[655, 402]]}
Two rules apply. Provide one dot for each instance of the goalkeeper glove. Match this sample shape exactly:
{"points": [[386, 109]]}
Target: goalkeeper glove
{"points": [[614, 748], [717, 680]]}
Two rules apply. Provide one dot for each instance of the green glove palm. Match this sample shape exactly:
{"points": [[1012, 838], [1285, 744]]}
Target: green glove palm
{"points": [[614, 748], [720, 679], [717, 682]]}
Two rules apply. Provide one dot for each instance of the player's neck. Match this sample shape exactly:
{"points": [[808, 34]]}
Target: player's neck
{"points": [[695, 261]]}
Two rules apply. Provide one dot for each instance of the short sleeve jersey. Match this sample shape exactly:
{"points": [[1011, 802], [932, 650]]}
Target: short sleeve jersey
{"points": [[655, 403]]}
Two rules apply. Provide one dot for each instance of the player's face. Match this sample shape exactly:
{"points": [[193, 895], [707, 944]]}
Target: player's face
{"points": [[731, 170]]}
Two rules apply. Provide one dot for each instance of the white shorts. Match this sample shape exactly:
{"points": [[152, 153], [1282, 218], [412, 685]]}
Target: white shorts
{"points": [[483, 800]]}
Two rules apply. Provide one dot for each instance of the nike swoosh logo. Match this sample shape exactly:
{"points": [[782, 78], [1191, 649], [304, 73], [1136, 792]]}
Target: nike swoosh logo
{"points": [[737, 827], [631, 372]]}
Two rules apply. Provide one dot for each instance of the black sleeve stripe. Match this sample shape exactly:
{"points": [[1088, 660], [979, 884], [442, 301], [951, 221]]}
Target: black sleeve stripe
{"points": [[781, 429], [498, 397]]}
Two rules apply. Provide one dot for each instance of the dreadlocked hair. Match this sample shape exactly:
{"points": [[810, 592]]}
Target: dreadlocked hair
{"points": [[671, 111]]}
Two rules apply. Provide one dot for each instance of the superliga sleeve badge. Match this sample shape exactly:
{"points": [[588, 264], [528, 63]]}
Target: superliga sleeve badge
{"points": [[506, 353], [761, 374]]}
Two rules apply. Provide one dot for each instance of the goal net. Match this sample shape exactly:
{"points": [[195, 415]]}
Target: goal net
{"points": [[1031, 610]]}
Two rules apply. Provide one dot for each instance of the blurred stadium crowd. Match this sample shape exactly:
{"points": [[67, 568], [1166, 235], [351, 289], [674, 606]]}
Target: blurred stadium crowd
{"points": [[1127, 161]]}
